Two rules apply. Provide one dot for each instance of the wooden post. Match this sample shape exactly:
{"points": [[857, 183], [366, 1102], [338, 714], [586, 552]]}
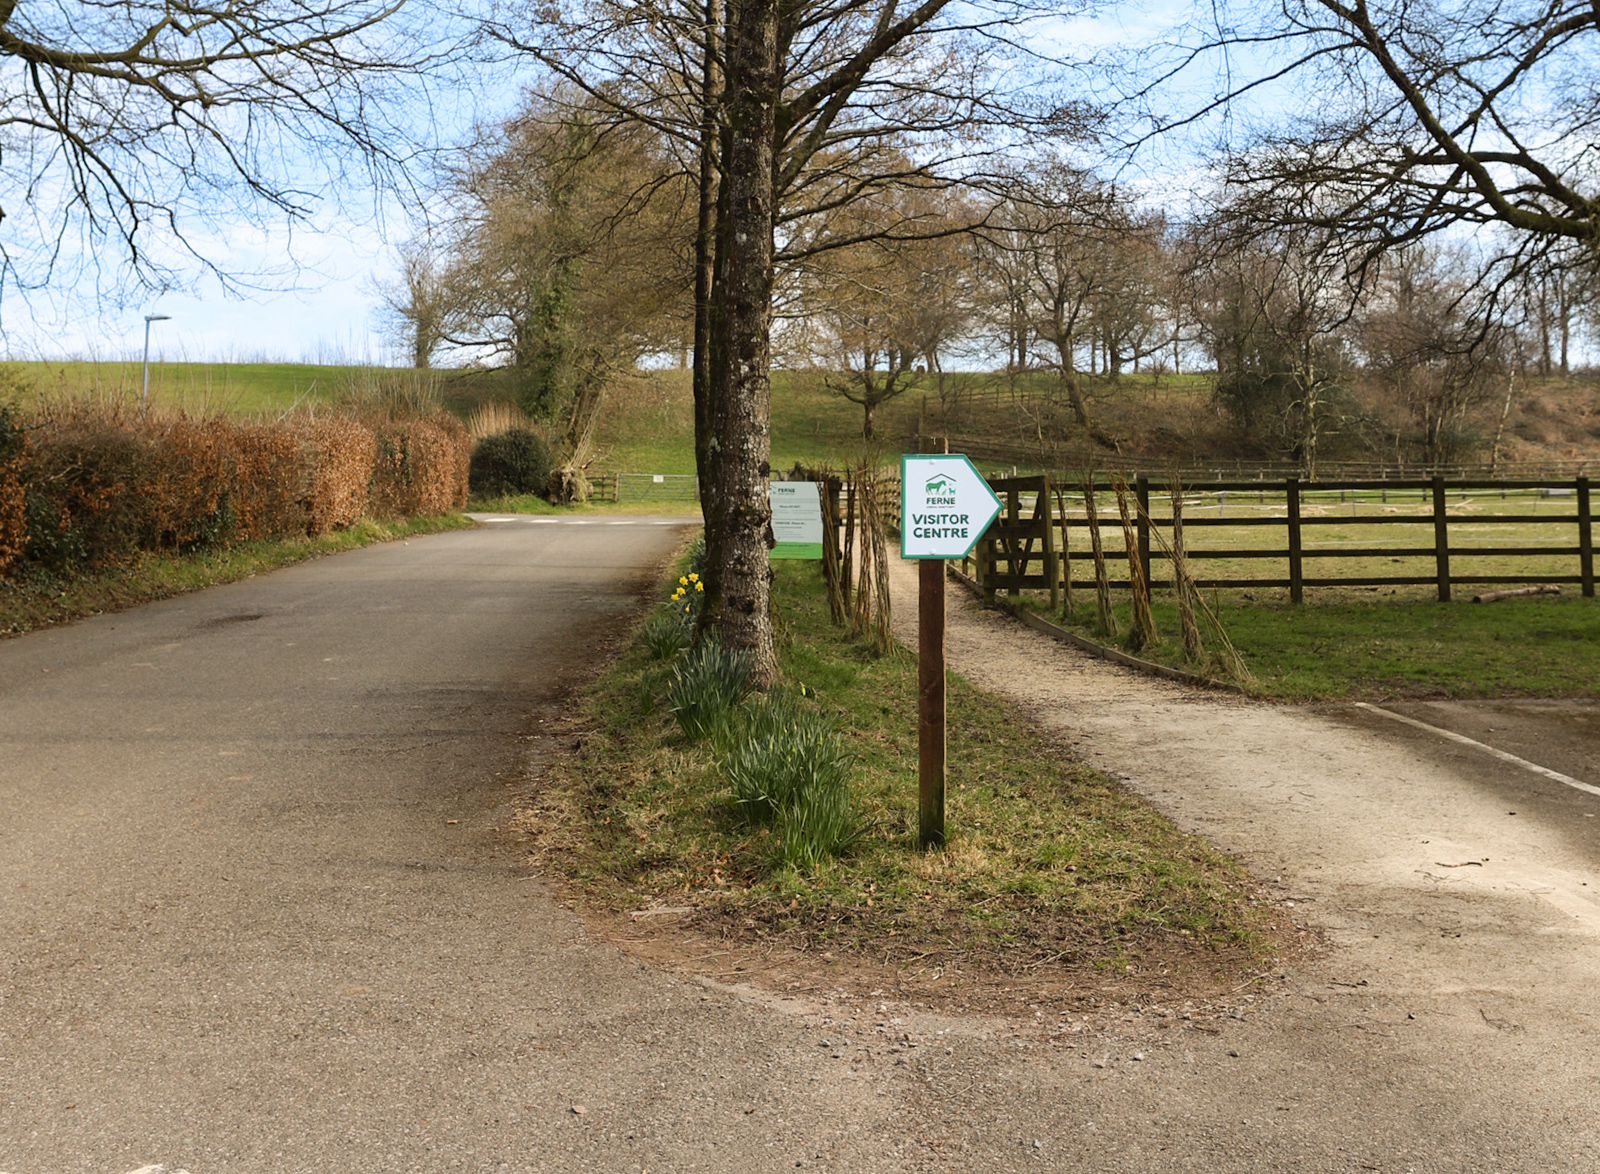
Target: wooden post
{"points": [[1180, 579], [1052, 571], [1585, 539], [1291, 488], [847, 548], [1141, 491], [1064, 558], [1441, 539], [1013, 514], [986, 565], [930, 703], [1102, 579]]}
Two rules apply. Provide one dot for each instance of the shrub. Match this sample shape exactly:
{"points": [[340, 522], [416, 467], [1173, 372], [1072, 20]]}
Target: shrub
{"points": [[786, 765], [510, 462], [706, 687], [336, 462], [89, 486], [13, 499], [421, 467], [191, 473], [265, 490], [86, 485], [493, 418]]}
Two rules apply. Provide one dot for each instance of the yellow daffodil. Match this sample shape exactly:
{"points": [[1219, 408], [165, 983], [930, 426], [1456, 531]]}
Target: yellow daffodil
{"points": [[694, 578], [699, 586], [683, 582]]}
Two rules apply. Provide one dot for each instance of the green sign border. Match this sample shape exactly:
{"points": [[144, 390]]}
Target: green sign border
{"points": [[923, 456]]}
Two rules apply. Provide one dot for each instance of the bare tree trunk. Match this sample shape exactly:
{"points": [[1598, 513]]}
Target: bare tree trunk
{"points": [[1069, 384], [706, 417], [746, 433], [1066, 555], [1500, 429]]}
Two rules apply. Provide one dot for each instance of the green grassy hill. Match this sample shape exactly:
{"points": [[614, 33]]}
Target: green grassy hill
{"points": [[198, 388], [647, 423]]}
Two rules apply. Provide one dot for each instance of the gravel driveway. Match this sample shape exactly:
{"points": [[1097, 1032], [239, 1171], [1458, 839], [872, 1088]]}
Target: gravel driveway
{"points": [[1451, 1022]]}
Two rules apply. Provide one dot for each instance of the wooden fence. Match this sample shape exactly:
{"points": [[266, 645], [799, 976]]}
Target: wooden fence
{"points": [[1032, 546], [645, 487]]}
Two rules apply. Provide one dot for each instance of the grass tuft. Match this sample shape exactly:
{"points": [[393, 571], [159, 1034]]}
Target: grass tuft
{"points": [[705, 687]]}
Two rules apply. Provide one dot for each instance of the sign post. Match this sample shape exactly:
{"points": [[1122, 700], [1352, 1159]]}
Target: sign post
{"points": [[945, 506]]}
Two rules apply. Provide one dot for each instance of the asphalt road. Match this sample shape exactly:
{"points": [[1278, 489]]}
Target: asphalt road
{"points": [[254, 915], [257, 914]]}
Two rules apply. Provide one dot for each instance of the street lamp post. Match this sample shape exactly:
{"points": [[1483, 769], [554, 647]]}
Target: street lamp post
{"points": [[144, 392]]}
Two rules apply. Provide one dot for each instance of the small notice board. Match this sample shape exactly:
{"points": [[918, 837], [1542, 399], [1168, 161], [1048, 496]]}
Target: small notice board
{"points": [[796, 519]]}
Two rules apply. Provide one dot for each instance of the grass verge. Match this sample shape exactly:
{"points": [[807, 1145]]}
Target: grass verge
{"points": [[38, 600], [1541, 646], [1049, 864]]}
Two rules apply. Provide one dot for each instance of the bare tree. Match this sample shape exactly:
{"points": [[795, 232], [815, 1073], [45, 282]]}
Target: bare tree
{"points": [[812, 103], [1437, 348], [877, 315], [570, 257], [1274, 312], [130, 129], [416, 302], [1476, 113]]}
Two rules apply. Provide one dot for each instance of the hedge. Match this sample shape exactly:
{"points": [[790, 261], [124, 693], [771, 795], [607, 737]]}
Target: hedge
{"points": [[85, 486]]}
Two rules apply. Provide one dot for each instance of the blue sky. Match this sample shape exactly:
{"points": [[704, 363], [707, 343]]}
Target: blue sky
{"points": [[323, 308]]}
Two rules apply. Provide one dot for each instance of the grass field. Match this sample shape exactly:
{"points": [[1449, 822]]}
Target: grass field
{"points": [[1368, 641], [1048, 863], [1397, 523], [197, 388], [1331, 650]]}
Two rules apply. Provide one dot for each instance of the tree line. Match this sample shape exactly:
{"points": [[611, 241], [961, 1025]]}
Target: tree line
{"points": [[571, 257]]}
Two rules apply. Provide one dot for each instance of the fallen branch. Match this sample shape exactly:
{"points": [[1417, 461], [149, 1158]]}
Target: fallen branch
{"points": [[1542, 589]]}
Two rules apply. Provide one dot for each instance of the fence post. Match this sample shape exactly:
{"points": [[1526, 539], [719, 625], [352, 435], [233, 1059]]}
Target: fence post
{"points": [[1291, 491], [1585, 539], [1441, 539], [1141, 494]]}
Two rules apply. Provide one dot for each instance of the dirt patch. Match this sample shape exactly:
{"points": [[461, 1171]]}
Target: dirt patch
{"points": [[960, 984]]}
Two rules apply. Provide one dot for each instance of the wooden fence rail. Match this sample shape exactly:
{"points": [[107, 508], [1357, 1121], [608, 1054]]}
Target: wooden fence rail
{"points": [[1031, 546]]}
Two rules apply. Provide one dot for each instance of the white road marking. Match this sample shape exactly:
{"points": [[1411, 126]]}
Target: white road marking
{"points": [[1565, 780]]}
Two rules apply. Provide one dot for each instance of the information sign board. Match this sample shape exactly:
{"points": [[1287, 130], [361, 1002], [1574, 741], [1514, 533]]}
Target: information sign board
{"points": [[945, 506], [796, 519]]}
